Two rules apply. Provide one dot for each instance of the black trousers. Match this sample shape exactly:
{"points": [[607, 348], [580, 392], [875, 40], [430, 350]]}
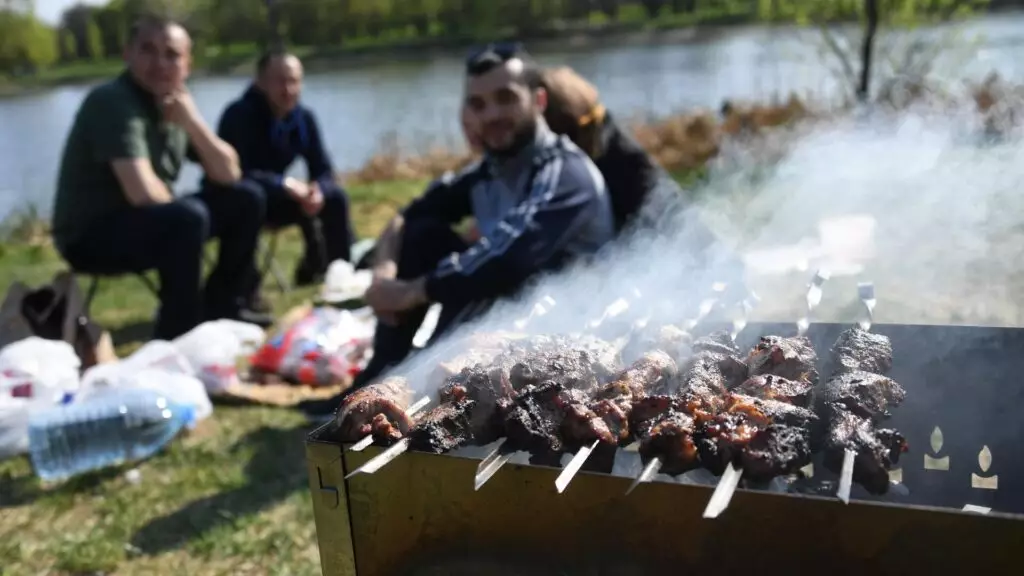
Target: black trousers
{"points": [[328, 236], [424, 244], [170, 239]]}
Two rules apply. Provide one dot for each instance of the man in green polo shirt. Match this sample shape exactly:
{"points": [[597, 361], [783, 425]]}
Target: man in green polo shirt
{"points": [[115, 211]]}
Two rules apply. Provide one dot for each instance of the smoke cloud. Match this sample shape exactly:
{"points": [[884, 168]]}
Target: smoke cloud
{"points": [[925, 204]]}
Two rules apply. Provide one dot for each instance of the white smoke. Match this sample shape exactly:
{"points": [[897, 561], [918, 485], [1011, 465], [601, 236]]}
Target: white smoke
{"points": [[921, 203]]}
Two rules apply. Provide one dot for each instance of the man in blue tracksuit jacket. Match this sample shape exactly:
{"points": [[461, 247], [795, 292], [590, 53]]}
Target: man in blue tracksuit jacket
{"points": [[538, 201], [270, 128]]}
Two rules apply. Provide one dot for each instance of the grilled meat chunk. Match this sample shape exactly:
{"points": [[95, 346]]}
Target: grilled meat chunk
{"points": [[771, 387], [532, 420], [864, 394], [481, 382], [606, 417], [712, 374], [777, 450], [727, 436], [719, 341], [792, 358], [674, 341], [666, 429], [877, 450], [378, 409], [453, 425], [858, 350]]}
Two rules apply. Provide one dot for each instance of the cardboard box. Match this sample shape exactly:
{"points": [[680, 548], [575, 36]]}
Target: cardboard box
{"points": [[420, 514]]}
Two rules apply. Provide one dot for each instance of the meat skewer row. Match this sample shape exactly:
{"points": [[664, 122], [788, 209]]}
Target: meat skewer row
{"points": [[722, 417]]}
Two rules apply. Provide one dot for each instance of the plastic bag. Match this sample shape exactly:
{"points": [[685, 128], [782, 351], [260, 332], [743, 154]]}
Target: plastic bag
{"points": [[37, 368], [213, 349], [14, 414], [321, 348], [180, 388]]}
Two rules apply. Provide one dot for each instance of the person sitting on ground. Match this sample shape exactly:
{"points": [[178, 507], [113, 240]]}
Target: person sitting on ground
{"points": [[632, 176], [270, 128], [537, 199], [115, 211]]}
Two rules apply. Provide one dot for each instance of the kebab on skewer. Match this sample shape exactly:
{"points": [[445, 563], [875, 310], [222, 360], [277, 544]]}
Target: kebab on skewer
{"points": [[853, 402]]}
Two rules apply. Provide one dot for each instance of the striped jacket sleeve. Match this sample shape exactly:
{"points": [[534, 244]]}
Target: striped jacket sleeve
{"points": [[563, 196]]}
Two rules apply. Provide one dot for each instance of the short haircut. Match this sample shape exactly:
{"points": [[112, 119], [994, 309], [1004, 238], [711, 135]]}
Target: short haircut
{"points": [[148, 23], [269, 56], [491, 56]]}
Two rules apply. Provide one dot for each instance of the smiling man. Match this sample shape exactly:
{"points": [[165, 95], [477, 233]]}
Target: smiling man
{"points": [[538, 202], [115, 210]]}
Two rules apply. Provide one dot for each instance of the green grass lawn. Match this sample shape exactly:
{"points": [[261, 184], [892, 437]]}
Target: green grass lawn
{"points": [[231, 498]]}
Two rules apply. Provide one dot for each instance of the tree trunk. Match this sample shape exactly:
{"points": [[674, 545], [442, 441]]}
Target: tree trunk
{"points": [[867, 49], [274, 40]]}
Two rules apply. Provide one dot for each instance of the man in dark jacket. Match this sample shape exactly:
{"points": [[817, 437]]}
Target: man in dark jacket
{"points": [[270, 128], [538, 201]]}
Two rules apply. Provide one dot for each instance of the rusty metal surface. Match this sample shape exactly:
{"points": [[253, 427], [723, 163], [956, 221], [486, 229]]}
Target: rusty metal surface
{"points": [[420, 515], [330, 508], [421, 512]]}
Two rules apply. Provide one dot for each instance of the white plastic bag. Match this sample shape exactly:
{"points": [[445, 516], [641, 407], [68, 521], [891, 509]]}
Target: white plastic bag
{"points": [[14, 413], [156, 354], [181, 388], [213, 349], [38, 368]]}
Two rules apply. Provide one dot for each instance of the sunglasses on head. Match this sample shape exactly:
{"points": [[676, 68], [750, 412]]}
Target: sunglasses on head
{"points": [[505, 50]]}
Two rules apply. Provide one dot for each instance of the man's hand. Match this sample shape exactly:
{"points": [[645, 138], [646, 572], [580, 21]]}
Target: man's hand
{"points": [[391, 296], [314, 201], [297, 189], [179, 108], [385, 270]]}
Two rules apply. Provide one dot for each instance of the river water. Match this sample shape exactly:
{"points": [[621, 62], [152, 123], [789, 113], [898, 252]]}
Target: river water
{"points": [[417, 102]]}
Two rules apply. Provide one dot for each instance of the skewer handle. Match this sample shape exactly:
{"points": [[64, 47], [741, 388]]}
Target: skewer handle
{"points": [[574, 465], [723, 492], [866, 293]]}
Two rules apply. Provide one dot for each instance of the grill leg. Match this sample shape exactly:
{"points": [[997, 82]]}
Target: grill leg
{"points": [[270, 265], [90, 293]]}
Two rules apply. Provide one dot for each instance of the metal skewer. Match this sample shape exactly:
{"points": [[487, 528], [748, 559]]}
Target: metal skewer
{"points": [[381, 460], [646, 475], [866, 293], [813, 299], [574, 465], [723, 492], [490, 465], [410, 411]]}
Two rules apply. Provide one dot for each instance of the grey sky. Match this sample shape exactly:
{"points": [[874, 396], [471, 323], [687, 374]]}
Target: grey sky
{"points": [[49, 11]]}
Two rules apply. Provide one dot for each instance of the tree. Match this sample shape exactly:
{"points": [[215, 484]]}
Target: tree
{"points": [[902, 65], [94, 40]]}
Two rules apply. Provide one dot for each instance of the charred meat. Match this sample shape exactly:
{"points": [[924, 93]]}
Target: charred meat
{"points": [[532, 420], [378, 409], [772, 437], [711, 374], [770, 387], [865, 394], [851, 405], [792, 358], [606, 416], [449, 426], [666, 427], [877, 450], [720, 342], [858, 350]]}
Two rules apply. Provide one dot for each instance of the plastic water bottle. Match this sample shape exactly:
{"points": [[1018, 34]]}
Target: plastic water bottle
{"points": [[122, 425]]}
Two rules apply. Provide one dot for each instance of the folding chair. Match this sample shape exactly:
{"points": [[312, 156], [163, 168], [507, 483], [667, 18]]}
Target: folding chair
{"points": [[94, 285], [269, 249]]}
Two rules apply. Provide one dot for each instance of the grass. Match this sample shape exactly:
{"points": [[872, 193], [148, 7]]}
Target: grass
{"points": [[231, 498]]}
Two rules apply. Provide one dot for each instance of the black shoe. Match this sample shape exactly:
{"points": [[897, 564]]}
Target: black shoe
{"points": [[308, 275]]}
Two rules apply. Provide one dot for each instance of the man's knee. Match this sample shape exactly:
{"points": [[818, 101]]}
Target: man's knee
{"points": [[188, 219], [246, 198]]}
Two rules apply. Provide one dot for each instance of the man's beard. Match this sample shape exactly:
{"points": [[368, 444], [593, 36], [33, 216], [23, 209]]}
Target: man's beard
{"points": [[524, 135]]}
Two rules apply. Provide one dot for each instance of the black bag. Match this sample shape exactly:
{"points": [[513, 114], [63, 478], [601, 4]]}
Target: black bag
{"points": [[54, 312]]}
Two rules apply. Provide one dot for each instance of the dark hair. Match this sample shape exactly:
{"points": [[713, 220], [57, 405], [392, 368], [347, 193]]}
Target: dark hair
{"points": [[486, 58], [148, 22], [269, 56]]}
